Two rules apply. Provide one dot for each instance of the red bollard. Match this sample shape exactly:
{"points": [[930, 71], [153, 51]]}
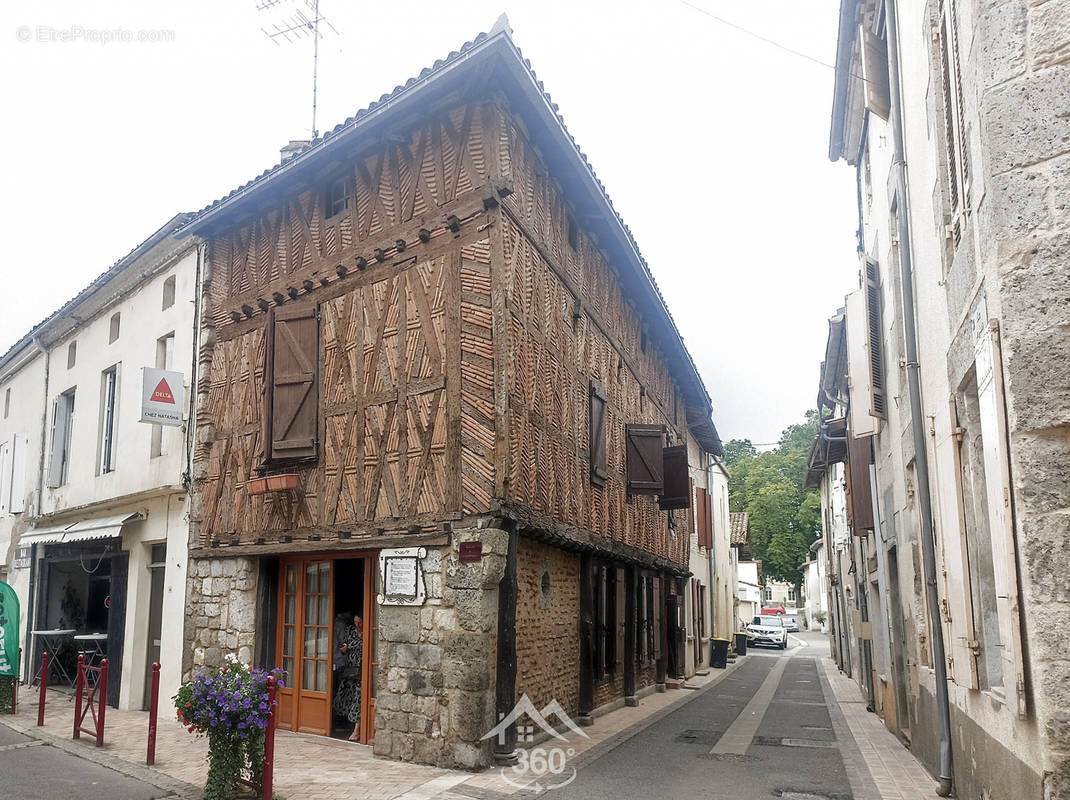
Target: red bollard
{"points": [[102, 690], [79, 683], [269, 740], [44, 688], [154, 700], [15, 684]]}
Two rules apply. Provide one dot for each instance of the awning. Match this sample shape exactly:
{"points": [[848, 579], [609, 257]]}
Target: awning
{"points": [[82, 531]]}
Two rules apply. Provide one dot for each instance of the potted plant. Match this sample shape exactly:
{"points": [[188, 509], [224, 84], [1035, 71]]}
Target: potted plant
{"points": [[230, 706]]}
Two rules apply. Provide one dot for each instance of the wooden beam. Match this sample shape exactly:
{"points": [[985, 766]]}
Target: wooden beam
{"points": [[505, 675]]}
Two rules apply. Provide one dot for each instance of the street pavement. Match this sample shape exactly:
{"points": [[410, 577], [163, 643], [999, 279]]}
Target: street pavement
{"points": [[763, 731], [33, 770]]}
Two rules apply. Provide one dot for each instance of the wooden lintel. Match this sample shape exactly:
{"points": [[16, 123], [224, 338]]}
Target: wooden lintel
{"points": [[436, 539]]}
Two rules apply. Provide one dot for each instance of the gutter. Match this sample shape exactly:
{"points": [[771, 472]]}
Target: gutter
{"points": [[917, 421]]}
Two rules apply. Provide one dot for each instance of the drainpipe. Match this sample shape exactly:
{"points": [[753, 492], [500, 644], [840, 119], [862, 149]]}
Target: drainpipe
{"points": [[917, 420], [711, 554], [28, 651]]}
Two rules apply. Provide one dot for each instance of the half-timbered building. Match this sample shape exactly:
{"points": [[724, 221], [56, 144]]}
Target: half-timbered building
{"points": [[440, 390]]}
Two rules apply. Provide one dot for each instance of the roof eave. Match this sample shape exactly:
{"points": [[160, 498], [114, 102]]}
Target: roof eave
{"points": [[844, 45]]}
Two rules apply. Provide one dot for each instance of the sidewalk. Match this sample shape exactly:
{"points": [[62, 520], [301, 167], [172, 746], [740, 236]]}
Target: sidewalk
{"points": [[882, 768], [313, 767]]}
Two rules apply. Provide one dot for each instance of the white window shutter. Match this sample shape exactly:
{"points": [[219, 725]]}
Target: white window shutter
{"points": [[5, 476], [862, 422], [59, 436], [18, 474]]}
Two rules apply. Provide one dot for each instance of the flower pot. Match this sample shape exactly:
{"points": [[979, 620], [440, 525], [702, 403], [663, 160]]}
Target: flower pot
{"points": [[279, 483], [256, 486]]}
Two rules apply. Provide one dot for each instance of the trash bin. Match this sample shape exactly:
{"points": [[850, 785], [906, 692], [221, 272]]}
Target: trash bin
{"points": [[719, 653], [741, 644]]}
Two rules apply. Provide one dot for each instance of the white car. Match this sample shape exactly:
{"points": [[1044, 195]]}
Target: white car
{"points": [[791, 624], [767, 630]]}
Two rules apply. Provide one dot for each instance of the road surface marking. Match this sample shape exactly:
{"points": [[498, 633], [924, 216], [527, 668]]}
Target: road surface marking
{"points": [[434, 787], [737, 739]]}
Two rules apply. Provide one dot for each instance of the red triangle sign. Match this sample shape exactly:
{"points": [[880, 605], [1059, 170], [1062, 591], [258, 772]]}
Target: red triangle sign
{"points": [[162, 393]]}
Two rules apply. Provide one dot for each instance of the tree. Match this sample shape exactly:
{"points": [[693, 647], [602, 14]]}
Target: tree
{"points": [[736, 449], [785, 517]]}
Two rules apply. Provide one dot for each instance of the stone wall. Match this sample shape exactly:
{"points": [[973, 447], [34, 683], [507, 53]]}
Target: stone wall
{"points": [[221, 611], [1025, 137], [435, 692], [548, 625]]}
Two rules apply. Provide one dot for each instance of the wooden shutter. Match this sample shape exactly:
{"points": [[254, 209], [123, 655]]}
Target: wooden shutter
{"points": [[700, 516], [656, 628], [597, 434], [291, 397], [709, 521], [621, 619], [859, 493], [677, 491], [875, 73], [643, 456], [873, 333]]}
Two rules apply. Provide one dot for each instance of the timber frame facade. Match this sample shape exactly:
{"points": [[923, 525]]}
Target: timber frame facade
{"points": [[414, 316]]}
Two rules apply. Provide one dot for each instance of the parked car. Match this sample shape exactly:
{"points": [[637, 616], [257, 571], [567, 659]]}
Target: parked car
{"points": [[791, 624], [777, 609], [767, 630]]}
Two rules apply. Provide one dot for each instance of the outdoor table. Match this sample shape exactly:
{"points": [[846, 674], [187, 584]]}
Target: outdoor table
{"points": [[51, 641], [92, 646]]}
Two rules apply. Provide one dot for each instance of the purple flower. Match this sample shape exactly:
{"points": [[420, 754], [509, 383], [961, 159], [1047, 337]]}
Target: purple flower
{"points": [[263, 705], [247, 702]]}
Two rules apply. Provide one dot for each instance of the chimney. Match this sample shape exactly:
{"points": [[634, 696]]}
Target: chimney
{"points": [[292, 148]]}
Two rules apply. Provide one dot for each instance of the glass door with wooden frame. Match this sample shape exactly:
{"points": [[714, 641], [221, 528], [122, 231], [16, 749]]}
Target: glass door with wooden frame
{"points": [[304, 648]]}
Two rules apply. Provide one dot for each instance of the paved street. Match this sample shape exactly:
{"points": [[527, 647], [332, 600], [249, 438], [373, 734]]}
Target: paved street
{"points": [[776, 724]]}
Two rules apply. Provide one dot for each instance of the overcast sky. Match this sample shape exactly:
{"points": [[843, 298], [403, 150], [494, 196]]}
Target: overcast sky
{"points": [[712, 144]]}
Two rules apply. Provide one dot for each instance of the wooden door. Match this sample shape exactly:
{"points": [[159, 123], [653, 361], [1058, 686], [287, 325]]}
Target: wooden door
{"points": [[304, 648]]}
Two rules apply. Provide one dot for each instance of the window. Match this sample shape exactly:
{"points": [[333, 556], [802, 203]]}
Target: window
{"points": [[168, 293], [605, 638], [791, 595], [597, 434], [165, 349], [72, 354], [767, 594], [113, 328], [700, 612], [109, 398], [339, 195], [642, 620], [291, 399], [873, 331], [955, 147], [62, 423]]}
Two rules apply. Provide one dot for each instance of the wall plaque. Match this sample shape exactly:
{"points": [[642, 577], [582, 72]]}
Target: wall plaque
{"points": [[401, 576], [470, 552]]}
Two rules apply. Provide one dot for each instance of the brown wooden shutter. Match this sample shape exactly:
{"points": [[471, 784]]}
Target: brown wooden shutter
{"points": [[700, 516], [622, 619], [709, 520], [859, 495], [646, 473], [658, 633], [291, 397], [677, 493], [597, 434]]}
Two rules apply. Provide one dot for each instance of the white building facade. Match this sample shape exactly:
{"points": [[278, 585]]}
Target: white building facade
{"points": [[94, 529]]}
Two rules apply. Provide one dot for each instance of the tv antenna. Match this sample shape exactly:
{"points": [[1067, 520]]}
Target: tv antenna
{"points": [[294, 27]]}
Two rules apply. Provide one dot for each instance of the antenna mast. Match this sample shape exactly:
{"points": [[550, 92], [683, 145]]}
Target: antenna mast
{"points": [[297, 26]]}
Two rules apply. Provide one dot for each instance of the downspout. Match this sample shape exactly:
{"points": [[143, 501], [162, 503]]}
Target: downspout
{"points": [[712, 556], [917, 421], [191, 426]]}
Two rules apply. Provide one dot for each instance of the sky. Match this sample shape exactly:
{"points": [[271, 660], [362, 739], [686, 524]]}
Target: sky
{"points": [[711, 143]]}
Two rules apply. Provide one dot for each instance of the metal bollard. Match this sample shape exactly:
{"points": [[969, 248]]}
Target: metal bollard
{"points": [[79, 683], [102, 690], [44, 688], [154, 700], [269, 740]]}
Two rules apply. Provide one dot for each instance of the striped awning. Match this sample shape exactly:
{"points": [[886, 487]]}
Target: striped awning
{"points": [[81, 531]]}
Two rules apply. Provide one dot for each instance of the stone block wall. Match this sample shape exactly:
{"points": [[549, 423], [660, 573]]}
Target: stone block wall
{"points": [[435, 692], [548, 625], [1025, 137], [221, 612]]}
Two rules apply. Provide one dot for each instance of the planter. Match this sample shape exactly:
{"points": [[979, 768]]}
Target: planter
{"points": [[281, 483], [256, 486]]}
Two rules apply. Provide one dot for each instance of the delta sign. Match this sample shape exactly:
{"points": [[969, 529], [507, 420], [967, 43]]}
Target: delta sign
{"points": [[161, 396]]}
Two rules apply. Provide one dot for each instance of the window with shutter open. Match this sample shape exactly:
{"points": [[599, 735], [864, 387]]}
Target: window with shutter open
{"points": [[703, 518], [597, 434], [859, 492], [291, 396], [677, 491], [644, 459], [873, 333]]}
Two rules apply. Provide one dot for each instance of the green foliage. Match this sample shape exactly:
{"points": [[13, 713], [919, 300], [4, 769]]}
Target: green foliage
{"points": [[785, 517], [737, 449]]}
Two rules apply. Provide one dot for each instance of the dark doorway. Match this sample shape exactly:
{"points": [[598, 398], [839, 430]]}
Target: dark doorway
{"points": [[347, 656], [157, 565]]}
